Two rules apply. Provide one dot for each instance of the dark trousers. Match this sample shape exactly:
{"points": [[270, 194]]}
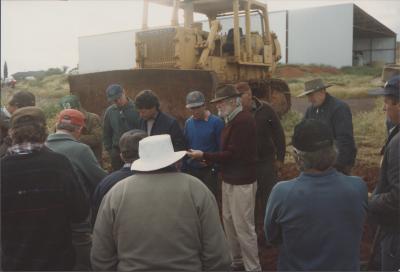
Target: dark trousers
{"points": [[207, 175], [116, 161], [390, 252]]}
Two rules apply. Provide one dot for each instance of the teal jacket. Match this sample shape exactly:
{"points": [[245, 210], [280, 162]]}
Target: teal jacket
{"points": [[82, 158], [117, 121]]}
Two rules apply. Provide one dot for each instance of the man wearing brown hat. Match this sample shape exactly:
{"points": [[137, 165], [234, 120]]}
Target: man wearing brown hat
{"points": [[66, 141], [40, 198], [237, 158], [317, 219], [19, 100], [337, 115]]}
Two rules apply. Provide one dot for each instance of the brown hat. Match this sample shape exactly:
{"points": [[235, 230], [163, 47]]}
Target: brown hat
{"points": [[225, 92], [26, 116], [313, 86], [22, 99]]}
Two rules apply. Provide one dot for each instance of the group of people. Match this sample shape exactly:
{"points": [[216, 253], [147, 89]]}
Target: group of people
{"points": [[158, 208]]}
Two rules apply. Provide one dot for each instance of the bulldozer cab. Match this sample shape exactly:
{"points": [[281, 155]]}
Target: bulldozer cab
{"points": [[238, 36]]}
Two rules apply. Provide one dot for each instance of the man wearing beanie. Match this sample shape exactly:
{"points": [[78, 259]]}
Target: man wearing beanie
{"points": [[40, 198], [320, 201]]}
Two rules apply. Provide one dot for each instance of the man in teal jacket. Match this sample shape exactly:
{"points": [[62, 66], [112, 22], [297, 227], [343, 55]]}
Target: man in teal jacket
{"points": [[87, 169], [120, 117]]}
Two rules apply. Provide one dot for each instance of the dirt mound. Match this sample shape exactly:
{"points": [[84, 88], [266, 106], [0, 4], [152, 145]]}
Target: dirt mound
{"points": [[290, 71]]}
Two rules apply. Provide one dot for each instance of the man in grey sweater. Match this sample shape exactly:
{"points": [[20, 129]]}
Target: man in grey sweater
{"points": [[159, 219]]}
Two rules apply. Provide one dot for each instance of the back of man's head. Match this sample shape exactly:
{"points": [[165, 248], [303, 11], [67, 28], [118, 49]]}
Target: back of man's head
{"points": [[313, 144], [129, 144], [28, 125], [70, 120], [22, 99]]}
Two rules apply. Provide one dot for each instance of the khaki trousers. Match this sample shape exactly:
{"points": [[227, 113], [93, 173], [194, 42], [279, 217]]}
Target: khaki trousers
{"points": [[238, 203]]}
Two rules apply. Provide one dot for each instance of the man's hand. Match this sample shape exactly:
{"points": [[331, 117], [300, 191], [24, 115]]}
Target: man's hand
{"points": [[195, 154]]}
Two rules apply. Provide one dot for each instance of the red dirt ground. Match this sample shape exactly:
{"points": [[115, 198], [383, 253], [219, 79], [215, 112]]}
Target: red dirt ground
{"points": [[290, 71], [269, 255]]}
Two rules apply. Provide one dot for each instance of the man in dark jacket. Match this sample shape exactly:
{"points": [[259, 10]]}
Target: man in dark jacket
{"points": [[120, 117], [40, 198], [271, 145], [129, 145], [384, 205], [156, 122], [317, 218], [337, 115], [237, 159]]}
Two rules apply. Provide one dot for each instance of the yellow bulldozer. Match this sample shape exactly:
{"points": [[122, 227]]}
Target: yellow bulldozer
{"points": [[235, 44]]}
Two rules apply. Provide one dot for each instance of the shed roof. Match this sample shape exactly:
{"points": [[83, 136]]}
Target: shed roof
{"points": [[366, 26]]}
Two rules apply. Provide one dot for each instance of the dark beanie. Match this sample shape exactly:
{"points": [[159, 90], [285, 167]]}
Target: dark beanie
{"points": [[311, 135]]}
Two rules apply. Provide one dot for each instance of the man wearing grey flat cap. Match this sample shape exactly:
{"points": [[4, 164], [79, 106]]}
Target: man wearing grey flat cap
{"points": [[337, 115]]}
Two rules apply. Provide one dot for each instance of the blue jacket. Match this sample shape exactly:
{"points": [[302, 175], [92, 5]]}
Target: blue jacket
{"points": [[166, 124], [337, 115], [317, 219]]}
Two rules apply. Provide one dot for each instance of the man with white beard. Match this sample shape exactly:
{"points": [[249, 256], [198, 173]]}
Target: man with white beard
{"points": [[237, 158]]}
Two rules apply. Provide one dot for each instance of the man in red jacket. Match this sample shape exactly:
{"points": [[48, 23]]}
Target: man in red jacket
{"points": [[237, 158]]}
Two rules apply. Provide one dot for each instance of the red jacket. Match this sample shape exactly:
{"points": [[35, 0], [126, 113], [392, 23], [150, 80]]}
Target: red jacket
{"points": [[238, 153]]}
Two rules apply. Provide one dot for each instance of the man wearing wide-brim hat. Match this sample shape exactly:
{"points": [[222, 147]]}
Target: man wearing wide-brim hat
{"points": [[237, 158], [159, 219], [337, 115], [384, 205]]}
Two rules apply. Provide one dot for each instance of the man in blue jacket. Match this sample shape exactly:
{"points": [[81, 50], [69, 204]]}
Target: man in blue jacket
{"points": [[156, 122], [384, 205], [337, 115], [317, 218]]}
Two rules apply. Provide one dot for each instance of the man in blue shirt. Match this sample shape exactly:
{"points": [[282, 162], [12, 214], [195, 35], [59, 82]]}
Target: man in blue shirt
{"points": [[317, 218], [202, 132]]}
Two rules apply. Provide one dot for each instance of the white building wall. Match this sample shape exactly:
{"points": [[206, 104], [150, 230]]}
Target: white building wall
{"points": [[106, 52], [322, 35]]}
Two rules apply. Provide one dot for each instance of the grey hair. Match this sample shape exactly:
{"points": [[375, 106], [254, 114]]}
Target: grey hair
{"points": [[67, 127], [319, 160]]}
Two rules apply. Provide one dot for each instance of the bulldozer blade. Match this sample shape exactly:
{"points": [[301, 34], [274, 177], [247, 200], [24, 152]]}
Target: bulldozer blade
{"points": [[170, 85]]}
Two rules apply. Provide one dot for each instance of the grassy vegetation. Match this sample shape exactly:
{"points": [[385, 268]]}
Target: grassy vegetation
{"points": [[348, 82]]}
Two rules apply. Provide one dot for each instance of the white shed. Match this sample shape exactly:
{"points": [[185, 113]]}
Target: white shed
{"points": [[339, 35]]}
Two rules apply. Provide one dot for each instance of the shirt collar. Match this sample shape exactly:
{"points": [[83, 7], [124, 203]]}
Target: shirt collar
{"points": [[24, 148], [233, 114]]}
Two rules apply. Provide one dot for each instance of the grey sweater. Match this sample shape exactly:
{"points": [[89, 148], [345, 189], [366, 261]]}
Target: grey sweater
{"points": [[159, 221]]}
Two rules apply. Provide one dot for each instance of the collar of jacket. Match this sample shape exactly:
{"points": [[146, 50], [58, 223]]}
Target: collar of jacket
{"points": [[256, 105], [328, 99], [61, 136], [233, 114]]}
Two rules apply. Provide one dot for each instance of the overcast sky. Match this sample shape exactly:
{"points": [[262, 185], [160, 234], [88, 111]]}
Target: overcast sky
{"points": [[38, 35]]}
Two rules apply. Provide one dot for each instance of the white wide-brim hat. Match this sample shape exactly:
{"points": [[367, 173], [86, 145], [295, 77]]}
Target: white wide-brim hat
{"points": [[156, 152]]}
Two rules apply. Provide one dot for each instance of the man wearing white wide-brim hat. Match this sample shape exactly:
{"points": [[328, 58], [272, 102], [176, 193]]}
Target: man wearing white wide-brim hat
{"points": [[159, 219], [337, 115]]}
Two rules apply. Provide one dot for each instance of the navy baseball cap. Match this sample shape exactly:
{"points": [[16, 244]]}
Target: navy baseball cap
{"points": [[114, 91], [195, 99], [391, 87]]}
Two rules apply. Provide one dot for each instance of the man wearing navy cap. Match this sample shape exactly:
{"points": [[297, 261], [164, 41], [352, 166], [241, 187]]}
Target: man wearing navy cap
{"points": [[317, 218], [120, 117], [384, 204]]}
